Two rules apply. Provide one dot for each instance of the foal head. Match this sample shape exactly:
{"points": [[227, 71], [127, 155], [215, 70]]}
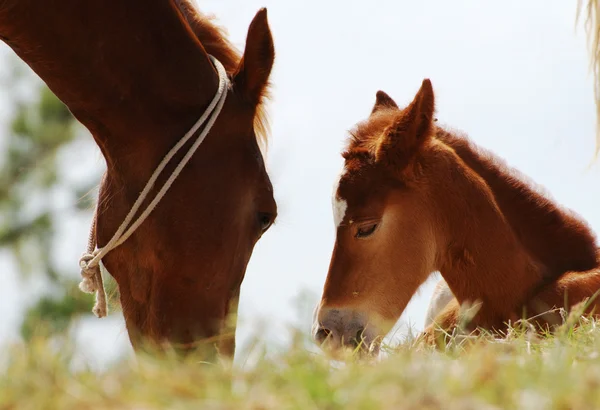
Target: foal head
{"points": [[385, 233], [413, 199]]}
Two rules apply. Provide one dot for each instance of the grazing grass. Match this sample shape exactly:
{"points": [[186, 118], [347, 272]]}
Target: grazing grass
{"points": [[523, 371]]}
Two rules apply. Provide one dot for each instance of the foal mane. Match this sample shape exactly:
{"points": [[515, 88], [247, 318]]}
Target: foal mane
{"points": [[555, 236], [215, 42]]}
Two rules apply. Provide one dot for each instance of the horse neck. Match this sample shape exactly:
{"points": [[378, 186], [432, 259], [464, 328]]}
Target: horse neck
{"points": [[132, 72], [478, 254]]}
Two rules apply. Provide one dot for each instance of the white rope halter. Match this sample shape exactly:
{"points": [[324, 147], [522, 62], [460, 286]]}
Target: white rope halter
{"points": [[90, 261]]}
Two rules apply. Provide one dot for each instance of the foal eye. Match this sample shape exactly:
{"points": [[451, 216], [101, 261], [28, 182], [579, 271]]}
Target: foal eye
{"points": [[365, 231], [265, 221]]}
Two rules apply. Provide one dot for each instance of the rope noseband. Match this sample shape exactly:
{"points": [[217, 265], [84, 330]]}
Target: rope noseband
{"points": [[90, 261]]}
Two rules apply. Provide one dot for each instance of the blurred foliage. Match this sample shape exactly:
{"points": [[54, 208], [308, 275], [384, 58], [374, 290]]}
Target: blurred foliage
{"points": [[54, 314], [29, 170], [589, 10], [39, 128]]}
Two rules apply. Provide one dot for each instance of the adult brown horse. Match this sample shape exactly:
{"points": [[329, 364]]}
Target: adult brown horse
{"points": [[413, 199], [138, 75]]}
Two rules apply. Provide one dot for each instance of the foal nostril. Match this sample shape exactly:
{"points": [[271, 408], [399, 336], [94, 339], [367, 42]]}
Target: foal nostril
{"points": [[322, 335], [360, 334], [340, 329], [358, 338]]}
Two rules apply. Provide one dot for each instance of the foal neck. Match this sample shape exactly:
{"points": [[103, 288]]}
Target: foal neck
{"points": [[479, 255], [557, 238]]}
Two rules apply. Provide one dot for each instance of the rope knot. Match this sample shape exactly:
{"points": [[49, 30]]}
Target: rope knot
{"points": [[89, 271], [91, 281]]}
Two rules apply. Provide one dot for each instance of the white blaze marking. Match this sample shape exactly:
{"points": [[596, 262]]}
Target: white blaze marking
{"points": [[339, 205], [339, 211]]}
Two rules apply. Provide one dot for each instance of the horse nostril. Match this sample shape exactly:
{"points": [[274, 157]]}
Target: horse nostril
{"points": [[322, 335]]}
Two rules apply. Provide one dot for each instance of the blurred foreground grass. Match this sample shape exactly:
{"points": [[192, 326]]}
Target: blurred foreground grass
{"points": [[521, 372]]}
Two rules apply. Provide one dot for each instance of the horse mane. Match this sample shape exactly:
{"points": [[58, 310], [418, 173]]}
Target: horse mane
{"points": [[215, 42], [555, 236]]}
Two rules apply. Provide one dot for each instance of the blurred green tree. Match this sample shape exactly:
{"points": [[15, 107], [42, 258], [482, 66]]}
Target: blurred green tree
{"points": [[38, 129]]}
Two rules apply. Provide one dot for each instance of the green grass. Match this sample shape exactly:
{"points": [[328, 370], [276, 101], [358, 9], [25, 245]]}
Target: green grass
{"points": [[524, 371]]}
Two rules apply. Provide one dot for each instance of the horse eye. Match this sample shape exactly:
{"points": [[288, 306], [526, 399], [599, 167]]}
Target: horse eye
{"points": [[265, 221], [365, 231]]}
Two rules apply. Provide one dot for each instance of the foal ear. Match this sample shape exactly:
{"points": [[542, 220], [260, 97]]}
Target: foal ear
{"points": [[421, 109], [411, 128], [252, 75], [382, 100]]}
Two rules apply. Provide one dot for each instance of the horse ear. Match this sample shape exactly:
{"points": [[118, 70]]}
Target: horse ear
{"points": [[382, 100], [412, 127], [252, 75]]}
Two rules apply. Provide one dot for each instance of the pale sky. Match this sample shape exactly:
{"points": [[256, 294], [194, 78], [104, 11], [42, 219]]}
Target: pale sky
{"points": [[512, 74]]}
